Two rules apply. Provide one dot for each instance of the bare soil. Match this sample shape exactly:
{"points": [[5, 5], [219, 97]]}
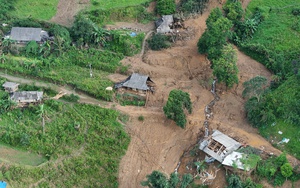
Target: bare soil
{"points": [[66, 10], [157, 143]]}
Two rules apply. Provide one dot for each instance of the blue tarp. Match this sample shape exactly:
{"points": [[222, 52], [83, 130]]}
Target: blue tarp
{"points": [[132, 34], [3, 184]]}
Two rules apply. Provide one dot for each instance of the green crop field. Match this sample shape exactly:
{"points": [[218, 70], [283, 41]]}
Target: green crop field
{"points": [[104, 4], [43, 10], [280, 30], [83, 145]]}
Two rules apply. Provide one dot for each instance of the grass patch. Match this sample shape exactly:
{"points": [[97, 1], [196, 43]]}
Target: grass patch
{"points": [[42, 10], [104, 4], [278, 32], [83, 144], [289, 131], [14, 155]]}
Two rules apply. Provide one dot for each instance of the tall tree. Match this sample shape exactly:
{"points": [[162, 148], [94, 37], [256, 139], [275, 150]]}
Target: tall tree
{"points": [[174, 109], [215, 36], [225, 68]]}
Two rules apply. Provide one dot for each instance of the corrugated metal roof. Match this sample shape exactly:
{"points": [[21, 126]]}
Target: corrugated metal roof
{"points": [[10, 85], [234, 159], [164, 26], [26, 34], [137, 81], [229, 144], [27, 96], [225, 140]]}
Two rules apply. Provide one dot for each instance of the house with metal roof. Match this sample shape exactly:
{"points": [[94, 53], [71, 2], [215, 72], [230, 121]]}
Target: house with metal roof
{"points": [[136, 82], [163, 25], [219, 145], [26, 34], [27, 97], [10, 87]]}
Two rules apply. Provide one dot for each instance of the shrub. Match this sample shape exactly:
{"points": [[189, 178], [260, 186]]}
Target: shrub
{"points": [[141, 118], [165, 7], [158, 41], [193, 6], [71, 98]]}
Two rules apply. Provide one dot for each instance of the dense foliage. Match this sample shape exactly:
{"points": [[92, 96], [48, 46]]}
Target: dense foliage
{"points": [[225, 68], [215, 36], [128, 13], [158, 42], [165, 7], [159, 180], [193, 6], [174, 109], [6, 7]]}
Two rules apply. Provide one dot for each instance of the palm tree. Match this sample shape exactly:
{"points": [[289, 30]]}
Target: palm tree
{"points": [[42, 114]]}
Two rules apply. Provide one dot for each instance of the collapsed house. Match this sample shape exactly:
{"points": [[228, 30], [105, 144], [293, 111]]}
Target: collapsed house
{"points": [[24, 98], [27, 34], [164, 24], [136, 82], [10, 87], [219, 145]]}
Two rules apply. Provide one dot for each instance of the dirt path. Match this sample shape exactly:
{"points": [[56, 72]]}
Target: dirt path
{"points": [[67, 9]]}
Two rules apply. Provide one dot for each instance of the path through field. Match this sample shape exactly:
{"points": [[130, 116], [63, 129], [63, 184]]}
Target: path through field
{"points": [[67, 9]]}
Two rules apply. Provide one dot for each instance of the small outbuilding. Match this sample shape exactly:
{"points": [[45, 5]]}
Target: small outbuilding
{"points": [[219, 145], [10, 87], [27, 97], [26, 34]]}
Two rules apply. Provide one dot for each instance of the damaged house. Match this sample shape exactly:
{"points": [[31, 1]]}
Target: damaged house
{"points": [[219, 145], [164, 24]]}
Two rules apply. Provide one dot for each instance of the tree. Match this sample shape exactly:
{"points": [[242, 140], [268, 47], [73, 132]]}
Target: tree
{"points": [[234, 181], [159, 180], [186, 180], [286, 170], [233, 10], [255, 87], [174, 180], [165, 7], [156, 180], [215, 36], [82, 30], [42, 113], [225, 68], [174, 109]]}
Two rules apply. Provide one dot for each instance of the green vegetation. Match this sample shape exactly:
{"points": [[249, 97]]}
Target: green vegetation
{"points": [[273, 169], [192, 6], [165, 7], [159, 41], [215, 36], [159, 180], [43, 10], [129, 13], [225, 68], [103, 4], [141, 118], [73, 138], [174, 109], [71, 98], [289, 131], [17, 156]]}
